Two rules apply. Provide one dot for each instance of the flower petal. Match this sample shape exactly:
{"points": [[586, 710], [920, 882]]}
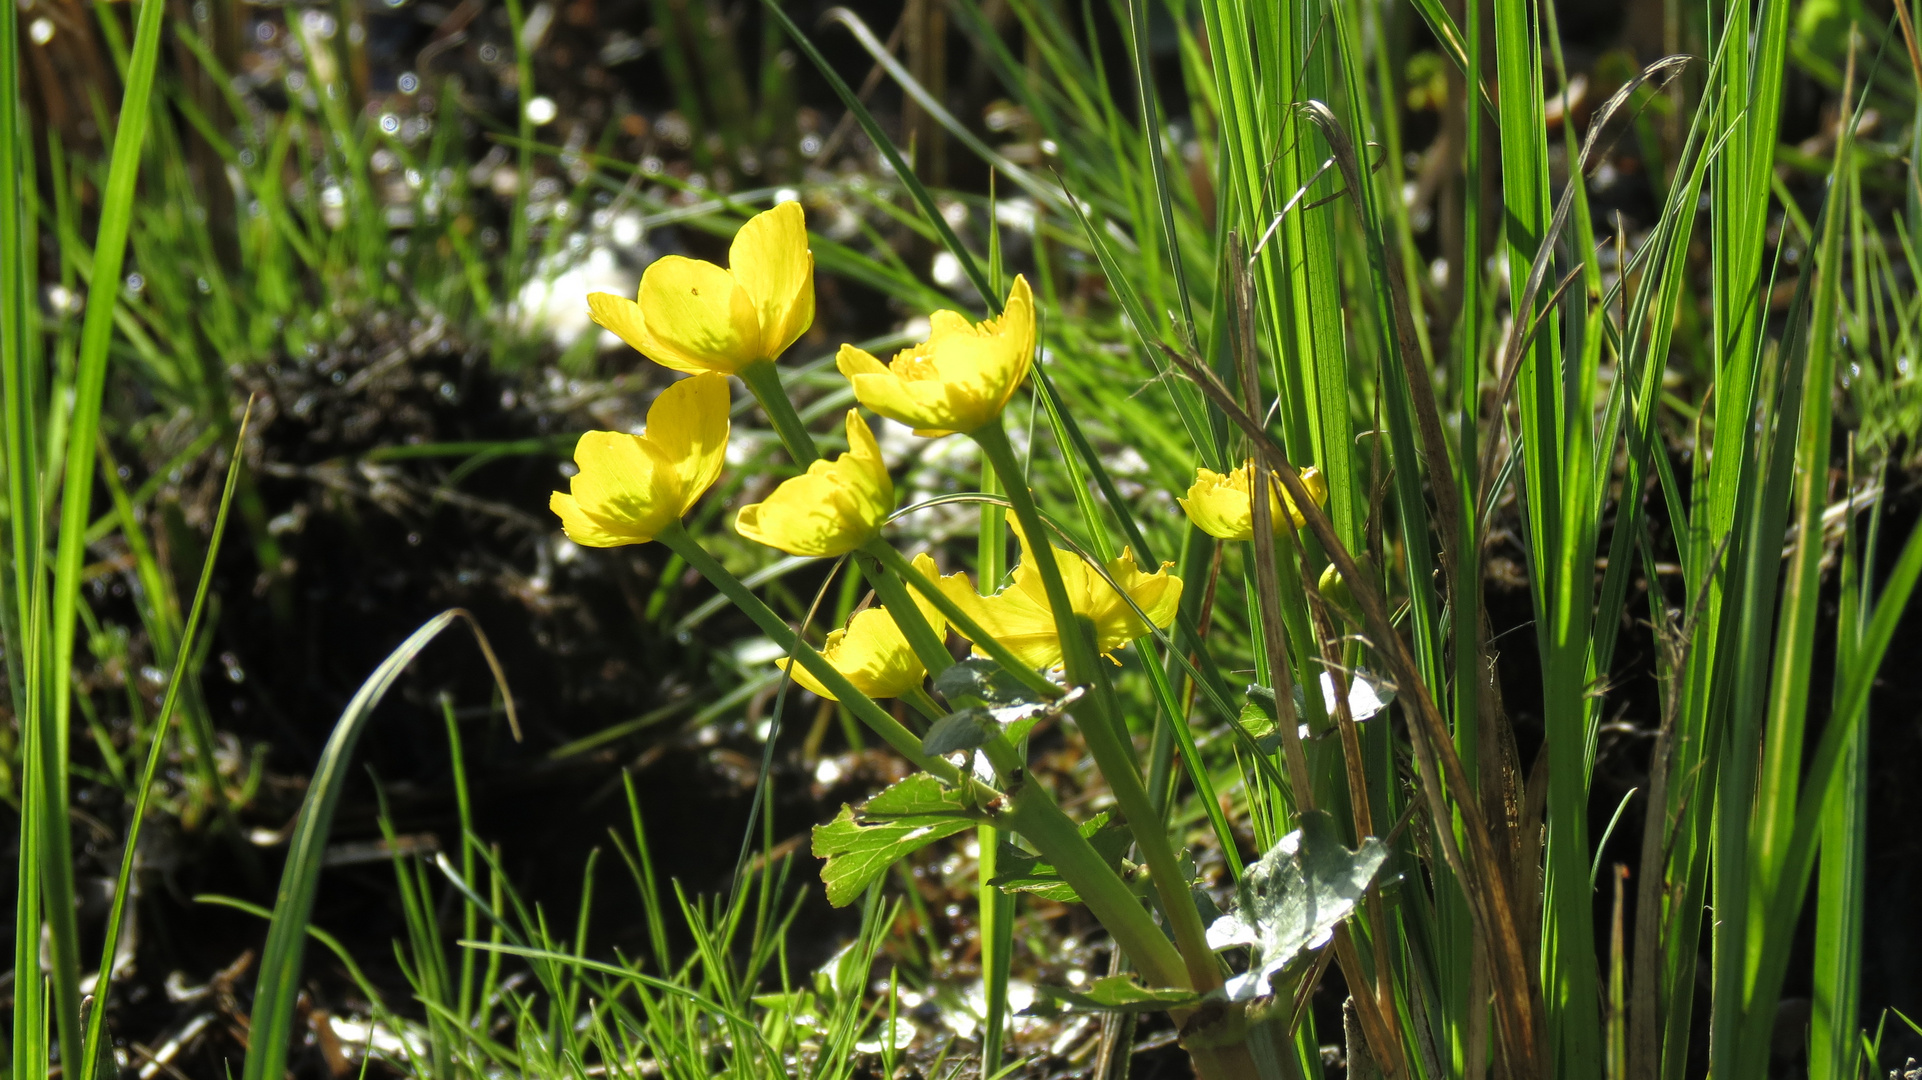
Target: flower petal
{"points": [[875, 656], [853, 360], [864, 472], [924, 405], [697, 317], [805, 677], [771, 260], [625, 485], [925, 563], [580, 528], [1011, 618], [688, 423], [809, 515], [623, 317]]}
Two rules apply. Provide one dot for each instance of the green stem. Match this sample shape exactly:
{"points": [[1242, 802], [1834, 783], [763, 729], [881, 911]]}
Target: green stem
{"points": [[961, 620], [923, 703], [928, 646], [1034, 815], [1098, 716], [898, 736], [1031, 811], [765, 384]]}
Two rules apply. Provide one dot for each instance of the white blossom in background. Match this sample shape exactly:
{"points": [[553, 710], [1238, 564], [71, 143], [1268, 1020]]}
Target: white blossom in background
{"points": [[553, 303]]}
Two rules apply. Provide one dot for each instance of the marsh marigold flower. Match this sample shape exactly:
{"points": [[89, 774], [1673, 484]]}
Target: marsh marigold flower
{"points": [[630, 487], [872, 653], [956, 381], [1020, 619], [832, 508], [694, 316], [1223, 506]]}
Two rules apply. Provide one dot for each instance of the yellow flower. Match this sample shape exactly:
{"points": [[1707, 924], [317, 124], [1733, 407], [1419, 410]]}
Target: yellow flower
{"points": [[957, 380], [630, 487], [694, 316], [832, 508], [1020, 619], [1223, 507], [872, 653]]}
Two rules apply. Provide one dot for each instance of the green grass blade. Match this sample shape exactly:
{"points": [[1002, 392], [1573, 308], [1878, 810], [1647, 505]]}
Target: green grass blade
{"points": [[116, 215], [156, 751], [279, 982], [1833, 1035], [969, 264]]}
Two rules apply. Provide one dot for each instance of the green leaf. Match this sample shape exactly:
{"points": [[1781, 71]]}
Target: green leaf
{"points": [[918, 795], [906, 817], [1026, 872], [963, 729], [995, 703], [983, 680], [1292, 899], [1121, 993]]}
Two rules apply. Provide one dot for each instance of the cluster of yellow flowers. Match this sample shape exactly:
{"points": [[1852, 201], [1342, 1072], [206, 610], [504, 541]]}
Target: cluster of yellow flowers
{"points": [[711, 322]]}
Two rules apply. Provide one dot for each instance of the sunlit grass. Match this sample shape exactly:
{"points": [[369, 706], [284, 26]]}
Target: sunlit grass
{"points": [[1226, 275]]}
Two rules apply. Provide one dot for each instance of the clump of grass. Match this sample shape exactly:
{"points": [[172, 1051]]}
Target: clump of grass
{"points": [[1260, 301]]}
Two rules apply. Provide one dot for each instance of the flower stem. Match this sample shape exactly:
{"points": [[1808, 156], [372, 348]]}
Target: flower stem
{"points": [[1030, 811], [928, 646], [1099, 719], [923, 703], [764, 382], [961, 620], [898, 736], [1034, 815]]}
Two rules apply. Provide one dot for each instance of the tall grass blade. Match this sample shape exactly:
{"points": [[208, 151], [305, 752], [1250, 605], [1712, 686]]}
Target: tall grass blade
{"points": [[185, 657], [271, 1023], [47, 815]]}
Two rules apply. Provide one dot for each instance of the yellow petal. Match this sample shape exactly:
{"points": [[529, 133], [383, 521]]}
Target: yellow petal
{"points": [[697, 317], [922, 405], [1157, 594], [831, 509], [771, 260], [623, 318], [808, 515], [871, 653], [580, 528], [925, 564], [805, 677], [875, 656], [1016, 328], [688, 423], [864, 473], [852, 361], [1317, 486], [625, 486], [1011, 617]]}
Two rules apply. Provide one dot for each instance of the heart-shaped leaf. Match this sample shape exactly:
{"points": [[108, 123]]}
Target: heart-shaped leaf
{"points": [[1292, 899]]}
